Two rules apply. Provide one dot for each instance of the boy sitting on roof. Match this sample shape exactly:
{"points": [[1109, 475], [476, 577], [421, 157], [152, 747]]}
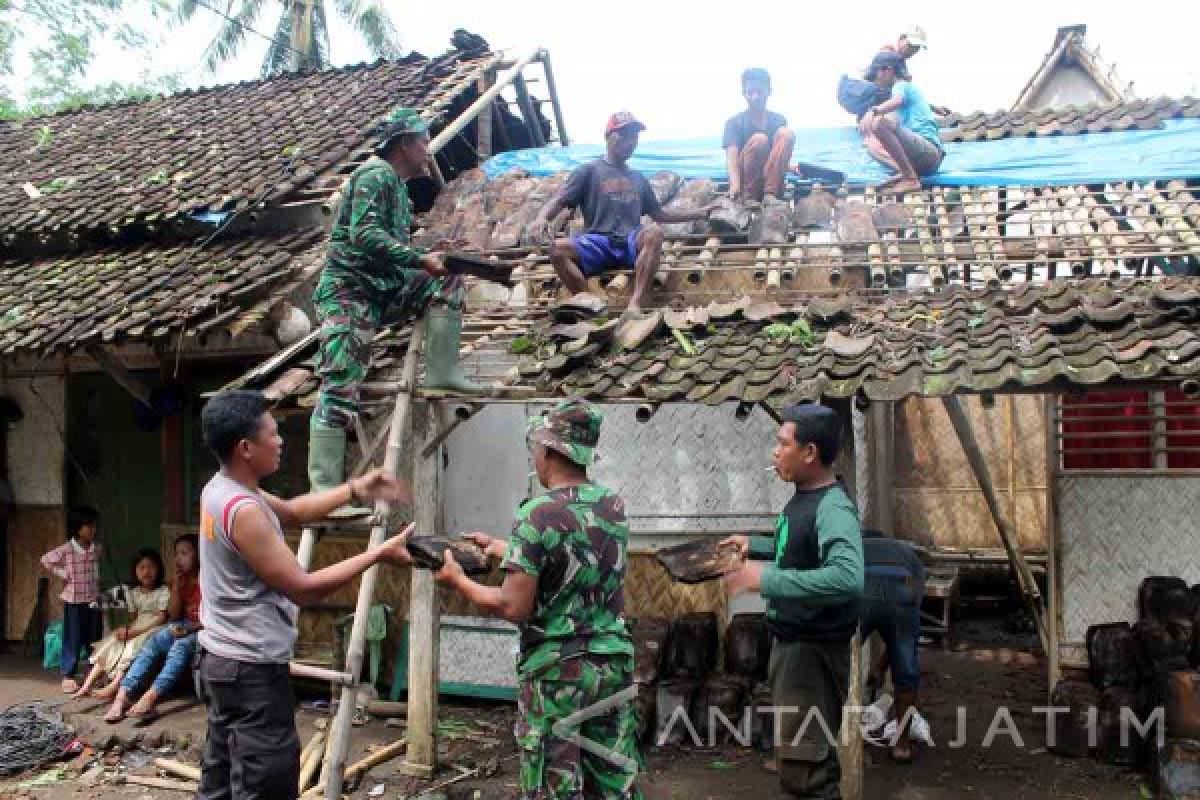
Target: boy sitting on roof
{"points": [[906, 141], [613, 198], [758, 143]]}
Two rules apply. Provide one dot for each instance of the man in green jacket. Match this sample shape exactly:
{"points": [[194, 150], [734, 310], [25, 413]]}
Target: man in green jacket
{"points": [[372, 273], [812, 588]]}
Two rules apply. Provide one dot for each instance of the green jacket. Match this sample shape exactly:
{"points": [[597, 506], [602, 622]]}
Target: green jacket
{"points": [[370, 242]]}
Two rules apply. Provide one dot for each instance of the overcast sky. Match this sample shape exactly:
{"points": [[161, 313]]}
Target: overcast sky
{"points": [[675, 63]]}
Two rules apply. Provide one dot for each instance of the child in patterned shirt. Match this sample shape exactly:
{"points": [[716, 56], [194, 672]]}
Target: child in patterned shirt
{"points": [[76, 563]]}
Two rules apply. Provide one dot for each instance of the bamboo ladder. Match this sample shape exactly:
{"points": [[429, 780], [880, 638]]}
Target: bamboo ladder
{"points": [[422, 718]]}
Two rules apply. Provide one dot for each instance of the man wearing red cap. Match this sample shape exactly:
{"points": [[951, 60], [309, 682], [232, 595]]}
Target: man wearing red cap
{"points": [[613, 199]]}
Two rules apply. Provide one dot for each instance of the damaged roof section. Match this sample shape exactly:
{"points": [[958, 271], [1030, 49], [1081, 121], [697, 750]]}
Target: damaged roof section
{"points": [[977, 236], [152, 293], [212, 150]]}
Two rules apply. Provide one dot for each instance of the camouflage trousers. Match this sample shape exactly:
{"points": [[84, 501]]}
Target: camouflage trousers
{"points": [[553, 765], [350, 315]]}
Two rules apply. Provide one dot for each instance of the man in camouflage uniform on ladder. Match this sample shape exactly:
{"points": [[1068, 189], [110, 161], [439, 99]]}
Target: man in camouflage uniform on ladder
{"points": [[565, 574], [373, 273]]}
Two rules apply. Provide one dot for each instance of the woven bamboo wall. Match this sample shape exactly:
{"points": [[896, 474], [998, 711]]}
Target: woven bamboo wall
{"points": [[31, 533], [938, 501]]}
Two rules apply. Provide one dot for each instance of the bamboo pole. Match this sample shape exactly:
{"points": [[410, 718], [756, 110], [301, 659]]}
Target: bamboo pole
{"points": [[852, 756], [310, 760], [339, 735], [475, 109], [374, 759], [424, 618], [1025, 579], [178, 768], [552, 88]]}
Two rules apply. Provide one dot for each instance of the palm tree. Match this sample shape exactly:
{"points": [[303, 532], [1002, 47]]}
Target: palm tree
{"points": [[301, 38]]}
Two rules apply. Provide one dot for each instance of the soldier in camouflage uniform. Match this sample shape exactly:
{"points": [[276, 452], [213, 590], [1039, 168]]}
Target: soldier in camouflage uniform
{"points": [[373, 272], [565, 565]]}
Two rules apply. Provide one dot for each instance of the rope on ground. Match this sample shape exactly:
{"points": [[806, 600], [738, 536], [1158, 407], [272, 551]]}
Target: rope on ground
{"points": [[31, 735]]}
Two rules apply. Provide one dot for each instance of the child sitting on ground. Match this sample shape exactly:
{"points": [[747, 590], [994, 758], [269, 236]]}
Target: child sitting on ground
{"points": [[176, 642], [147, 598], [76, 563]]}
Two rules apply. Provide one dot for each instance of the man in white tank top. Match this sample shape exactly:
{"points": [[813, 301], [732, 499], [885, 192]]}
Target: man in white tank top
{"points": [[251, 588]]}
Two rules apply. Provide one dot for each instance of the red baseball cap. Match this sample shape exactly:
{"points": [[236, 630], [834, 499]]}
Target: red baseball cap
{"points": [[622, 119]]}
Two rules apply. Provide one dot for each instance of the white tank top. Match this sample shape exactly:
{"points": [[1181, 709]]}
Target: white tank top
{"points": [[243, 618]]}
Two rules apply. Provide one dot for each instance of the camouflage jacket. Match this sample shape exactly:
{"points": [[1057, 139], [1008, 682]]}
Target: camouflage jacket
{"points": [[573, 540], [369, 242]]}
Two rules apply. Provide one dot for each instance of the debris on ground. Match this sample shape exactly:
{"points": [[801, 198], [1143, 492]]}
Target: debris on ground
{"points": [[47, 778], [32, 735]]}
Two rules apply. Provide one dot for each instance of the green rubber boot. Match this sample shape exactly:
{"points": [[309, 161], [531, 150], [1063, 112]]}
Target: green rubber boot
{"points": [[327, 464], [443, 327]]}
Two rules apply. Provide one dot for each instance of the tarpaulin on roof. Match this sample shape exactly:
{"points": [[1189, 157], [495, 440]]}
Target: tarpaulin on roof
{"points": [[1170, 152]]}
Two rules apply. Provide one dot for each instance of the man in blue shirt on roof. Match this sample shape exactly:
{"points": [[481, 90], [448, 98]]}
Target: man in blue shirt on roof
{"points": [[901, 132]]}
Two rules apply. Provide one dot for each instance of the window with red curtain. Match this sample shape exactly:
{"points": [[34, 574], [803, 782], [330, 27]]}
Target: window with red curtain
{"points": [[1116, 430], [1183, 431]]}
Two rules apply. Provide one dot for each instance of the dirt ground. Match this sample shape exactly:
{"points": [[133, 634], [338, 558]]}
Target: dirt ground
{"points": [[983, 671]]}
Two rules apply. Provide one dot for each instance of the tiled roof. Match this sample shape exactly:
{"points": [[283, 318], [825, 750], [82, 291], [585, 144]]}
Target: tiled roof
{"points": [[978, 235], [1145, 114], [1037, 337], [209, 150], [1009, 317], [150, 293]]}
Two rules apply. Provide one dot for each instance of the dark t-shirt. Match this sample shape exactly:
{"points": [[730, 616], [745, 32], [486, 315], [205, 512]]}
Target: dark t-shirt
{"points": [[613, 199], [741, 127], [889, 560]]}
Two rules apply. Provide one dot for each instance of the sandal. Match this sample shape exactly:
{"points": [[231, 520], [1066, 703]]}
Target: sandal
{"points": [[145, 720]]}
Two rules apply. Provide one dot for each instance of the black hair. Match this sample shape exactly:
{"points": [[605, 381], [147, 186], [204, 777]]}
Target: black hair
{"points": [[756, 74], [77, 517], [883, 59], [818, 425], [229, 417], [143, 554], [191, 539]]}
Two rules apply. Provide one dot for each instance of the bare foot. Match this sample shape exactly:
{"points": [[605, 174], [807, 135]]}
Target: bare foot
{"points": [[82, 691], [116, 712], [107, 692], [905, 186], [892, 181], [145, 705], [69, 686], [771, 766]]}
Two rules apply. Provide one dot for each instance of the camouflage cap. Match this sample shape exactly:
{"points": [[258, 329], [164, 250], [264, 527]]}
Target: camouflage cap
{"points": [[402, 120], [572, 428]]}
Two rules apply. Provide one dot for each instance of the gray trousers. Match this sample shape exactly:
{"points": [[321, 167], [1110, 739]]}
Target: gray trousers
{"points": [[812, 677]]}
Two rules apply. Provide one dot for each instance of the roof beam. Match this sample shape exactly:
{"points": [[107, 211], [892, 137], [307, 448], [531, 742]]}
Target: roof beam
{"points": [[116, 369]]}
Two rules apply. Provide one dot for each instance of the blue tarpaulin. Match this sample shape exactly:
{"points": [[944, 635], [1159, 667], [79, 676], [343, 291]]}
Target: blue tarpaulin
{"points": [[1170, 152]]}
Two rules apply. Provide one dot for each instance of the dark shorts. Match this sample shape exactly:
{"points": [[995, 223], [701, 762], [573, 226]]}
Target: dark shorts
{"points": [[891, 606], [925, 156], [599, 252]]}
